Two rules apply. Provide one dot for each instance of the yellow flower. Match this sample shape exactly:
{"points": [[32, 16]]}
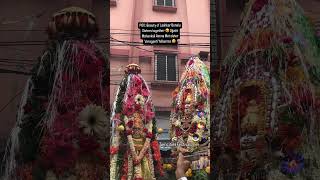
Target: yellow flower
{"points": [[167, 166], [208, 169], [164, 166], [189, 172]]}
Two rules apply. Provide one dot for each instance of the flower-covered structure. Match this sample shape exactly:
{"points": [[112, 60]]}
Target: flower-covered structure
{"points": [[62, 122], [135, 152], [190, 117], [265, 121]]}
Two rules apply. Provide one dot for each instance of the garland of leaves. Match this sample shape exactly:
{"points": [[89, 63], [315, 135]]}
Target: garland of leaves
{"points": [[42, 82], [118, 110]]}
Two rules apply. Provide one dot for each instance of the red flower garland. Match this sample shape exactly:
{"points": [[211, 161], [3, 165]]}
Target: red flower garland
{"points": [[128, 108], [88, 144], [129, 132], [130, 124], [149, 135], [125, 167], [156, 150], [58, 152], [114, 150], [145, 92]]}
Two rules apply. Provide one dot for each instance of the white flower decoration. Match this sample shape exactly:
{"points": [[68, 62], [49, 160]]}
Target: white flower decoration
{"points": [[139, 99], [93, 120], [177, 123], [126, 119]]}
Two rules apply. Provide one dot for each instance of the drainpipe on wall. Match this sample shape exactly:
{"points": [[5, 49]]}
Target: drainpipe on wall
{"points": [[218, 32], [136, 14], [215, 36]]}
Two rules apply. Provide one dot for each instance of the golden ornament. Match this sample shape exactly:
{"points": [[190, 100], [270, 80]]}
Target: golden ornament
{"points": [[167, 30], [200, 126], [167, 166], [120, 128], [208, 169], [164, 166], [189, 172], [160, 130], [173, 41]]}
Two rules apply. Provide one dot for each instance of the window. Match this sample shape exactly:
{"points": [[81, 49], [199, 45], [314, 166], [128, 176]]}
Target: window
{"points": [[167, 3], [166, 67]]}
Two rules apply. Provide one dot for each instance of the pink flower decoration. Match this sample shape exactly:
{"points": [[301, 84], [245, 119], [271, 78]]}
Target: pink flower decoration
{"points": [[130, 124], [145, 92], [149, 115], [190, 62], [137, 81], [149, 135], [133, 91], [149, 106], [128, 109]]}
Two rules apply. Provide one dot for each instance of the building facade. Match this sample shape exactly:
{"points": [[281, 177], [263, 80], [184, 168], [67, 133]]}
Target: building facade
{"points": [[161, 66]]}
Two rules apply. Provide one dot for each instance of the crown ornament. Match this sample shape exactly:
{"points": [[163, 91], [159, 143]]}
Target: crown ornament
{"points": [[133, 69], [72, 23]]}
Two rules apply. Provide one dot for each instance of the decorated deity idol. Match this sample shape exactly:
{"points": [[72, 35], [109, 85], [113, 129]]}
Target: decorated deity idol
{"points": [[135, 153], [190, 117], [62, 123], [266, 118]]}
